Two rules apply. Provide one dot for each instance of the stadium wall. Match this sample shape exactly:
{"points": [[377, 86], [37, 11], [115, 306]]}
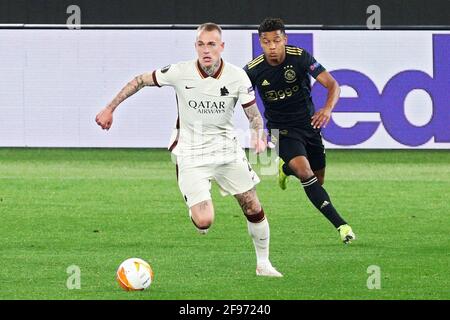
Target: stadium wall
{"points": [[395, 88], [305, 12]]}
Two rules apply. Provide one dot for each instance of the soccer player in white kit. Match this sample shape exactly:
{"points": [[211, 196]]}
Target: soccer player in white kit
{"points": [[204, 144]]}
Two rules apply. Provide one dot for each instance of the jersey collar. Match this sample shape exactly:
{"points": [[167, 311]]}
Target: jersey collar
{"points": [[204, 75]]}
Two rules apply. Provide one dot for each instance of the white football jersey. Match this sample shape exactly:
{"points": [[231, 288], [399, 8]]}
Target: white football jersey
{"points": [[206, 104]]}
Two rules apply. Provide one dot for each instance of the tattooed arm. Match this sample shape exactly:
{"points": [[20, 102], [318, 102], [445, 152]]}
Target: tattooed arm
{"points": [[256, 127], [105, 117]]}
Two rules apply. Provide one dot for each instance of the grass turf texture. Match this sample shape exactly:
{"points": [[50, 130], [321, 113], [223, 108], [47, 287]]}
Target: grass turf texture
{"points": [[94, 208]]}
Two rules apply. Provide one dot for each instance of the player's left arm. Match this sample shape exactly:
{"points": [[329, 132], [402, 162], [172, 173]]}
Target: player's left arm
{"points": [[257, 128], [248, 102], [321, 118]]}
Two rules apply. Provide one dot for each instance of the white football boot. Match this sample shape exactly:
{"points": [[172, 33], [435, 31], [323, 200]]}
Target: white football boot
{"points": [[267, 270]]}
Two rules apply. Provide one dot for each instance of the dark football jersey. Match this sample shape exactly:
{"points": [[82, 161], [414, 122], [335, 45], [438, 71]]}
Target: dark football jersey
{"points": [[285, 89]]}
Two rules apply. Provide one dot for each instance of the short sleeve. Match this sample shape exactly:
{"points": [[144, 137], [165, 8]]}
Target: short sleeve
{"points": [[310, 65], [246, 94], [249, 74], [166, 76]]}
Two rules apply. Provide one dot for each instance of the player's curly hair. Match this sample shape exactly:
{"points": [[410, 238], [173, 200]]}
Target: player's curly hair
{"points": [[271, 24]]}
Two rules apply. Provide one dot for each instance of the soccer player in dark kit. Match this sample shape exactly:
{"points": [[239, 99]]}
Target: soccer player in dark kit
{"points": [[281, 75]]}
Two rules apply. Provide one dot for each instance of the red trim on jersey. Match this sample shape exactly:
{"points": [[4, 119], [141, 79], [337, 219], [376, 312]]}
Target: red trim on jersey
{"points": [[203, 74], [177, 126], [154, 78], [246, 105], [174, 144], [219, 71]]}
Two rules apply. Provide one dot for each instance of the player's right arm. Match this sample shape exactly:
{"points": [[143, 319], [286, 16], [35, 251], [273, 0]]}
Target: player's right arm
{"points": [[105, 117], [309, 64]]}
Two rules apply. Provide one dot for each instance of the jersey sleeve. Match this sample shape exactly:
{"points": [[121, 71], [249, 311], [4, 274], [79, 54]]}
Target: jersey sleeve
{"points": [[246, 93], [310, 65], [249, 74], [166, 76]]}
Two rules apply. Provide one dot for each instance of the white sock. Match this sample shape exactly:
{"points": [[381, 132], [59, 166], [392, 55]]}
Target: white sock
{"points": [[260, 234]]}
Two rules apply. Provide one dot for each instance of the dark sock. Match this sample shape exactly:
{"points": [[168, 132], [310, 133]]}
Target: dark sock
{"points": [[319, 197], [256, 218], [287, 170]]}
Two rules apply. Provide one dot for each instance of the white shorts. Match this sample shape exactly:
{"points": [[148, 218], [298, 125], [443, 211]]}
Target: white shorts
{"points": [[233, 177]]}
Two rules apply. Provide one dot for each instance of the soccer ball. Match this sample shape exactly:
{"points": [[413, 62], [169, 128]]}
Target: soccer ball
{"points": [[134, 274]]}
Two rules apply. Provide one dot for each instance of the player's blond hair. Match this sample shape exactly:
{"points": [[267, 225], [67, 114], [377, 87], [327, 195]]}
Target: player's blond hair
{"points": [[209, 26]]}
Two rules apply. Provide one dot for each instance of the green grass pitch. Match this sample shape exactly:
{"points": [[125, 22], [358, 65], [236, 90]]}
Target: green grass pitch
{"points": [[94, 208]]}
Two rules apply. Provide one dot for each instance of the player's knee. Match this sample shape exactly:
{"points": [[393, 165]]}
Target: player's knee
{"points": [[301, 168], [303, 173], [251, 208], [202, 215], [250, 205], [249, 202], [203, 222]]}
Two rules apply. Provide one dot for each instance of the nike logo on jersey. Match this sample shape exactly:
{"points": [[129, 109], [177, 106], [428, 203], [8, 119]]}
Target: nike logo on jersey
{"points": [[189, 87]]}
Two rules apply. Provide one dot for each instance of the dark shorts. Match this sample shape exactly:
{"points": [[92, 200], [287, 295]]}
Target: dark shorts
{"points": [[293, 142]]}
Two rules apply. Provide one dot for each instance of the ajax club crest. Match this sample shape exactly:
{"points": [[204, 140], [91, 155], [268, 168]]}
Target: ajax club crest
{"points": [[289, 74]]}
